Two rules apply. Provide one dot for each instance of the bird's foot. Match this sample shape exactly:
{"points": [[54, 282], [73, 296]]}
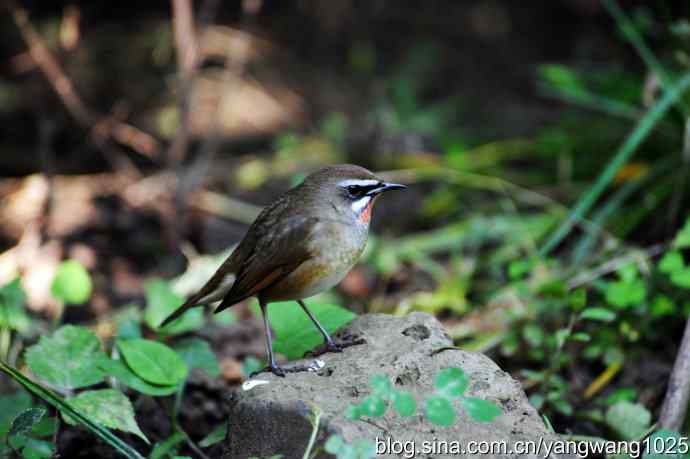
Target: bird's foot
{"points": [[273, 368], [332, 346], [289, 368]]}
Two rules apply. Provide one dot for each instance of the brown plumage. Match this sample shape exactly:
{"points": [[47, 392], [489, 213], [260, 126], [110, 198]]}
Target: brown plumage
{"points": [[301, 244]]}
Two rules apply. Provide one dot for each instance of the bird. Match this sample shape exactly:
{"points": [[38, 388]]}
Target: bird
{"points": [[302, 244]]}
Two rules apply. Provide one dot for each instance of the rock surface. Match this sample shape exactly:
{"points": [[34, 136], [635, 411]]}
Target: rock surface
{"points": [[273, 417]]}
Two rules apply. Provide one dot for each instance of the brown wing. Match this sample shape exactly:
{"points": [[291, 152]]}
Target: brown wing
{"points": [[274, 256]]}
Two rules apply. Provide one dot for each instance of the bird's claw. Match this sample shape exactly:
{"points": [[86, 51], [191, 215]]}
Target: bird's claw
{"points": [[275, 369]]}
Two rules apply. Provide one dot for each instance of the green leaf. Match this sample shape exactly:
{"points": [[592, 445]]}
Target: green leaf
{"points": [[381, 386], [404, 403], [153, 362], [45, 427], [481, 410], [161, 301], [167, 447], [10, 407], [197, 353], [68, 359], [662, 306], [126, 376], [214, 437], [617, 395], [623, 294], [628, 420], [26, 420], [440, 411], [682, 239], [451, 382], [72, 283], [37, 449], [56, 401], [372, 406], [665, 444], [295, 334], [108, 407], [681, 278], [600, 314], [671, 262], [533, 334], [578, 299], [12, 312]]}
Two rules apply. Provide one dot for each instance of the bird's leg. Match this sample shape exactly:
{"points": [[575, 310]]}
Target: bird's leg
{"points": [[331, 346], [272, 366]]}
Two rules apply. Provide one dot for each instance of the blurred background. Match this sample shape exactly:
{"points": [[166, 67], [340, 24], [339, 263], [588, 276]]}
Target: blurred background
{"points": [[545, 145]]}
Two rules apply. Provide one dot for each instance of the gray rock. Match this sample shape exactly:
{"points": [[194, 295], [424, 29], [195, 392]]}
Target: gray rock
{"points": [[273, 418]]}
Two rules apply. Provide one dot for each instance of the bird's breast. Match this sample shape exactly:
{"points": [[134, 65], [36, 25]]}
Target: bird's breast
{"points": [[334, 250]]}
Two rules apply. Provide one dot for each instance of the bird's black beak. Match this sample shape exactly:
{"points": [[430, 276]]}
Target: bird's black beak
{"points": [[385, 187]]}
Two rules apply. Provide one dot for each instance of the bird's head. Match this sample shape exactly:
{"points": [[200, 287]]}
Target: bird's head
{"points": [[350, 189]]}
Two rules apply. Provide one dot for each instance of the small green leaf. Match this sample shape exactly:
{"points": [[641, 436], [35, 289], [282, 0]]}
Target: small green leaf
{"points": [[12, 312], [451, 382], [578, 299], [108, 407], [381, 386], [481, 410], [681, 278], [167, 447], [72, 283], [126, 376], [372, 406], [26, 420], [404, 403], [671, 262], [629, 420], [629, 394], [68, 359], [161, 301], [153, 362], [662, 306], [581, 336], [37, 449], [334, 444], [440, 411], [214, 437], [682, 240], [198, 354], [533, 334], [353, 412], [626, 293], [10, 407], [600, 314]]}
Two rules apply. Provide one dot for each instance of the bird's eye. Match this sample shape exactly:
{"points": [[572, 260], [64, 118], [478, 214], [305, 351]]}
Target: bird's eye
{"points": [[354, 190]]}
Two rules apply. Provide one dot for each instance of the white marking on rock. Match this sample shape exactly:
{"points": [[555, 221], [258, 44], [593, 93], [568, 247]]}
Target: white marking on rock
{"points": [[317, 365], [252, 383], [360, 204]]}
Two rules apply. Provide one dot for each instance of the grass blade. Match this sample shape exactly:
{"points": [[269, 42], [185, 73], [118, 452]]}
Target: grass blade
{"points": [[56, 401], [633, 141]]}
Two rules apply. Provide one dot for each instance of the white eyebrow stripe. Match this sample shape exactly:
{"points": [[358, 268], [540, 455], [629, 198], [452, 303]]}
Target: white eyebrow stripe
{"points": [[360, 204], [360, 182]]}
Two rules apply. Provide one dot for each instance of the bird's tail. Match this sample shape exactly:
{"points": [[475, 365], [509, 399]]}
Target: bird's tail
{"points": [[192, 302]]}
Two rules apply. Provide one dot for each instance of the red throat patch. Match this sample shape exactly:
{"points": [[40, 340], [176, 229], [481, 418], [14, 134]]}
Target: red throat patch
{"points": [[365, 215]]}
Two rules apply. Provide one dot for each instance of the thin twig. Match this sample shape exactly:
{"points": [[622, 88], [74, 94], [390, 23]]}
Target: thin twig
{"points": [[677, 397], [126, 134]]}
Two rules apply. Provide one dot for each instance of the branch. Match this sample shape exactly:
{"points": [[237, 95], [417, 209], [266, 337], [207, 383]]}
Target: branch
{"points": [[126, 134]]}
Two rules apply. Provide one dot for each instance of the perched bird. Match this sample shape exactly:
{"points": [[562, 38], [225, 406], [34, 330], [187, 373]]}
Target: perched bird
{"points": [[302, 244]]}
